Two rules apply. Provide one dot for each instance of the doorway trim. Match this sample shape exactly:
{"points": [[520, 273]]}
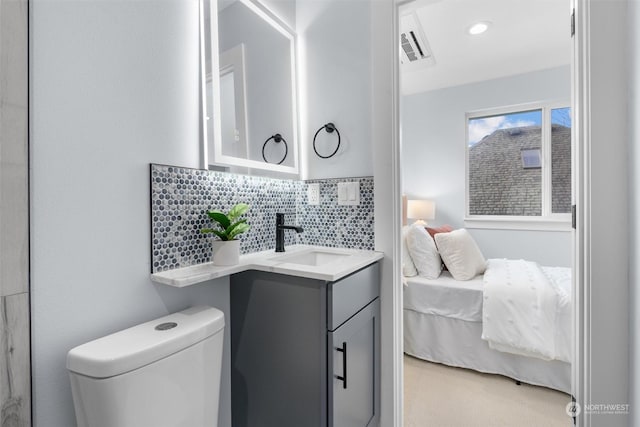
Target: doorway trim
{"points": [[580, 100], [580, 104]]}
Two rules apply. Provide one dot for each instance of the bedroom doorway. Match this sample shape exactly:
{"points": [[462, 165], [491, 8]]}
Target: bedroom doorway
{"points": [[486, 149]]}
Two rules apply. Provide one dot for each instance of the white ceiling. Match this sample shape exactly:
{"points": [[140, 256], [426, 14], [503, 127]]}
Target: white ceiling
{"points": [[524, 36]]}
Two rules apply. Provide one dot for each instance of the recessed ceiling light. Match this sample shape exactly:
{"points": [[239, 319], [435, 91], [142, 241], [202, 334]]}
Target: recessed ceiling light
{"points": [[478, 28]]}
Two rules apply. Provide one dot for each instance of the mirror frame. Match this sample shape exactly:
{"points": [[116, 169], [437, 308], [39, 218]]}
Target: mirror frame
{"points": [[213, 112]]}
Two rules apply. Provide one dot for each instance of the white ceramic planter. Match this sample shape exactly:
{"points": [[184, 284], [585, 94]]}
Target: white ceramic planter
{"points": [[226, 252]]}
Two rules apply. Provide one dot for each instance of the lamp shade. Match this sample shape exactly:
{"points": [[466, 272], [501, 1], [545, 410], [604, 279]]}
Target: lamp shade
{"points": [[421, 209]]}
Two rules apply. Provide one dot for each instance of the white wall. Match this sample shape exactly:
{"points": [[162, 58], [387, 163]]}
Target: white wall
{"points": [[114, 86], [335, 63], [607, 203], [634, 201], [433, 156]]}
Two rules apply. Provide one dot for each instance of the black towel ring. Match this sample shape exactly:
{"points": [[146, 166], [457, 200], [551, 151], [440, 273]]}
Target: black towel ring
{"points": [[329, 127], [277, 138]]}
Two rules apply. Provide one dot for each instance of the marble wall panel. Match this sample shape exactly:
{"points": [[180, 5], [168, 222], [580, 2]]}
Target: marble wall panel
{"points": [[14, 232], [13, 52], [13, 135], [13, 147], [15, 394], [15, 376]]}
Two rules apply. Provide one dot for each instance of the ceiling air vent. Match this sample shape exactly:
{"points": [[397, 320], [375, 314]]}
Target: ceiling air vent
{"points": [[416, 52]]}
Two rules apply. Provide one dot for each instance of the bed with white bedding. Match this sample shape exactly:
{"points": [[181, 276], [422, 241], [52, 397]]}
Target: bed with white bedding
{"points": [[526, 329]]}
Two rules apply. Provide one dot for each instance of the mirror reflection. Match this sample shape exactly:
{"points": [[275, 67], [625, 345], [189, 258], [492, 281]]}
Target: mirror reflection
{"points": [[254, 89]]}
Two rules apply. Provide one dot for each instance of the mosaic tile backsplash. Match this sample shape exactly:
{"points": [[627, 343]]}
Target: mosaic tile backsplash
{"points": [[330, 224], [180, 198]]}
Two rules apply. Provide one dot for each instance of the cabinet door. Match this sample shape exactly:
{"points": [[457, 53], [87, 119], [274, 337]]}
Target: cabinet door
{"points": [[354, 377]]}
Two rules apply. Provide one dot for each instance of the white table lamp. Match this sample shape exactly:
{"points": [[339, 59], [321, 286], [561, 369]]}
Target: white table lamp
{"points": [[421, 210]]}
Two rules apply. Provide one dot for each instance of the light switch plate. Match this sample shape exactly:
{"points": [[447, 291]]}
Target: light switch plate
{"points": [[349, 193], [313, 194], [342, 193]]}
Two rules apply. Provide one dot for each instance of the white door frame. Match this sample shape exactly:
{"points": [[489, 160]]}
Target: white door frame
{"points": [[580, 136], [582, 245], [603, 330], [387, 200], [602, 286]]}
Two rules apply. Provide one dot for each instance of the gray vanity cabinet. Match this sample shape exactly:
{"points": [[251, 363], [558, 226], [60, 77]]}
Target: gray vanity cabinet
{"points": [[305, 352], [352, 369]]}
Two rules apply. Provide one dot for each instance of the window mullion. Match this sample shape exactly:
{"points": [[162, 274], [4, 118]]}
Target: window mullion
{"points": [[546, 161]]}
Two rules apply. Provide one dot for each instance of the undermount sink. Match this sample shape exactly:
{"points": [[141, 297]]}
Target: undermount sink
{"points": [[313, 258]]}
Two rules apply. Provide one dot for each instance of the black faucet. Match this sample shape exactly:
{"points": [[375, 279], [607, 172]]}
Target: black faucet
{"points": [[280, 227]]}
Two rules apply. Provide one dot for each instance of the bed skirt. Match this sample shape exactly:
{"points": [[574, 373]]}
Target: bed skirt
{"points": [[457, 343]]}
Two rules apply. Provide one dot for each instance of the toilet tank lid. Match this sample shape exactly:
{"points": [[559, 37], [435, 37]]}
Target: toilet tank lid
{"points": [[143, 344]]}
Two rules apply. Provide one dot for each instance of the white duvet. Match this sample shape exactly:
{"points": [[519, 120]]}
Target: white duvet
{"points": [[527, 310]]}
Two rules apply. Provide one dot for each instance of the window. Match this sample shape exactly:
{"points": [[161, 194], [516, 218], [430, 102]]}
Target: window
{"points": [[519, 163], [531, 158]]}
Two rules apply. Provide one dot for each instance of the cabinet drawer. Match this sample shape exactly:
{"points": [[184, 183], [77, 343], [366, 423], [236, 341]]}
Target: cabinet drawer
{"points": [[347, 296]]}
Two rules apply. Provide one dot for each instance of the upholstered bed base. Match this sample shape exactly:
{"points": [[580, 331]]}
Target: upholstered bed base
{"points": [[457, 343]]}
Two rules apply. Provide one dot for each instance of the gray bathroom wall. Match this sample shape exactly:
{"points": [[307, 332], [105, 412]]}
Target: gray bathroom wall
{"points": [[15, 389], [114, 86], [335, 63]]}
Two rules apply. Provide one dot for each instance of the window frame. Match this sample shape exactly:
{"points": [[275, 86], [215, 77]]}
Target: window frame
{"points": [[548, 220]]}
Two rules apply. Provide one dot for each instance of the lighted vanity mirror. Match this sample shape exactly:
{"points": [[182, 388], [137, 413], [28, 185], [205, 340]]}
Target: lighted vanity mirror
{"points": [[249, 103]]}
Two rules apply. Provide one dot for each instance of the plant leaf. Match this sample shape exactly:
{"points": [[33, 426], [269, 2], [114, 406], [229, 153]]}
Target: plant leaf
{"points": [[207, 230], [239, 229], [220, 218], [238, 210], [230, 228], [221, 234]]}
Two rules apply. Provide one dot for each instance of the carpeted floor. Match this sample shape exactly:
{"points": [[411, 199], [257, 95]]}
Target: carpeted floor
{"points": [[441, 396]]}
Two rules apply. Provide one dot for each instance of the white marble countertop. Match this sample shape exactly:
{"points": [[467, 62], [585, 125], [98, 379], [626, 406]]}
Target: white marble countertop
{"points": [[342, 263]]}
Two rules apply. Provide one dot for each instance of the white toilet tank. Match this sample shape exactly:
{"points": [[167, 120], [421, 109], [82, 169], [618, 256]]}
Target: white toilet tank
{"points": [[163, 373]]}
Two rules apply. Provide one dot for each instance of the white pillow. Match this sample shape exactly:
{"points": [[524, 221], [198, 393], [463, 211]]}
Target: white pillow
{"points": [[460, 254], [423, 252], [408, 267]]}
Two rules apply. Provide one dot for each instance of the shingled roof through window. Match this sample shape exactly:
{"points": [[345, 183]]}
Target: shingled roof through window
{"points": [[500, 185]]}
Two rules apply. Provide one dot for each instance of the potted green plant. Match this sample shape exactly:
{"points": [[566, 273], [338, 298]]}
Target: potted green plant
{"points": [[226, 249]]}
